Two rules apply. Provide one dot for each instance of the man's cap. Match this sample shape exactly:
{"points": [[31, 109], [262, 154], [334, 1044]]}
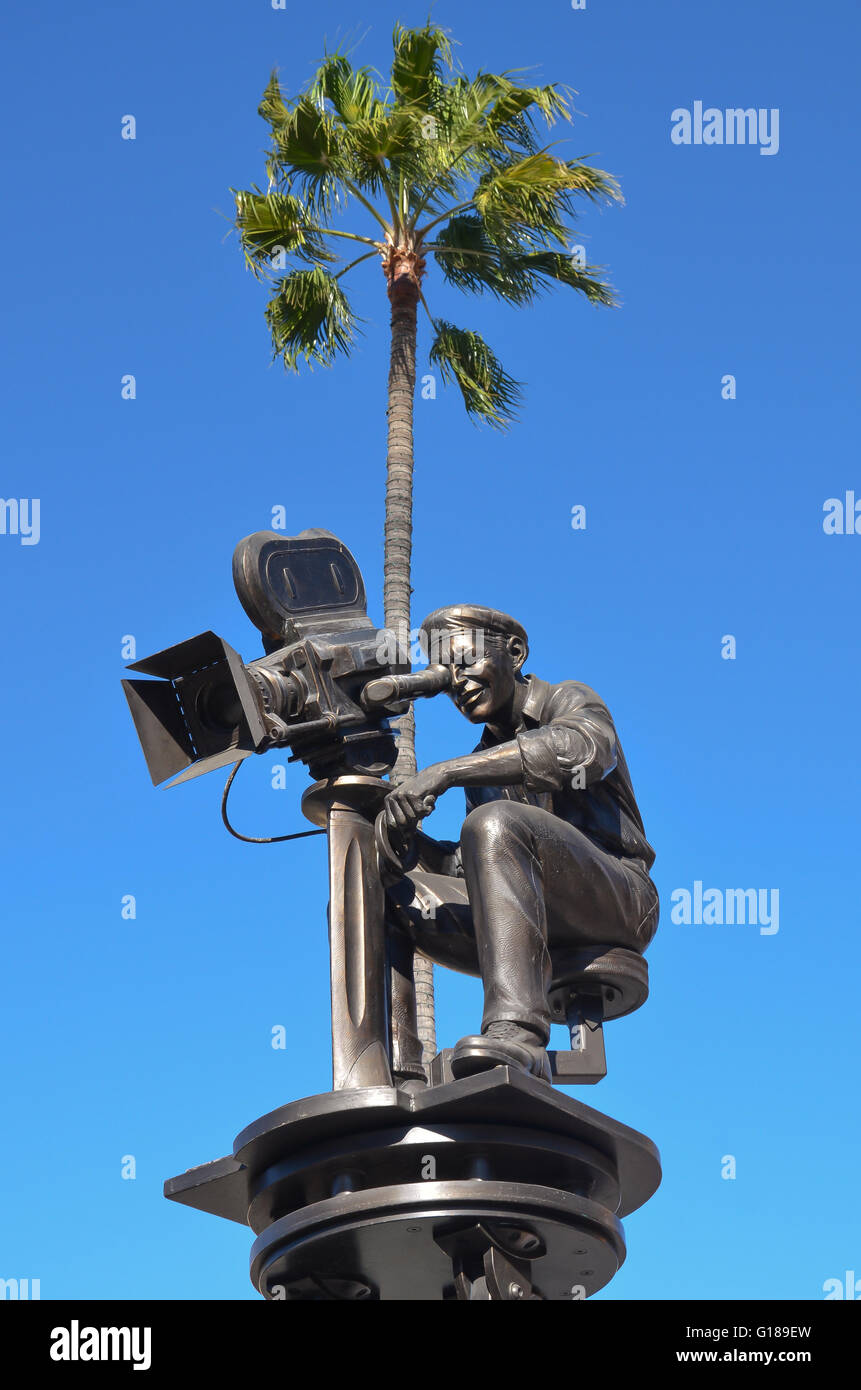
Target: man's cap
{"points": [[472, 617]]}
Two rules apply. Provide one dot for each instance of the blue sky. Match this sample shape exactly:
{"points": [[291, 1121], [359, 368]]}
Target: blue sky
{"points": [[151, 1037]]}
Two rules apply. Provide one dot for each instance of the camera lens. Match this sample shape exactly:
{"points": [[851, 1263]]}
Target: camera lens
{"points": [[218, 706]]}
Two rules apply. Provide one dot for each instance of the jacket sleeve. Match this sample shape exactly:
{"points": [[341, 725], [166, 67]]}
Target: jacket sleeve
{"points": [[579, 738]]}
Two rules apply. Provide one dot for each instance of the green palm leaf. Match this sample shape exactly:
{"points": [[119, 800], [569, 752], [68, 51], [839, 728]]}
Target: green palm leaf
{"points": [[420, 56], [489, 393], [538, 266], [269, 222], [472, 260], [308, 150], [310, 318], [272, 106], [535, 192], [351, 91]]}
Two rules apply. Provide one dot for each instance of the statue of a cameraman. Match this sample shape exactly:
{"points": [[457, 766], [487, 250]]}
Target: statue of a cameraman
{"points": [[546, 896], [552, 853]]}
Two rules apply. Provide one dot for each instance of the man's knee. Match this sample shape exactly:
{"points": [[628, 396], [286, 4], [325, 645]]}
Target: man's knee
{"points": [[490, 826]]}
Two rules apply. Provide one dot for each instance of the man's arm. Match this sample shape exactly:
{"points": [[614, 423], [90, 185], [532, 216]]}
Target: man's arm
{"points": [[498, 767], [415, 798], [580, 735], [579, 738], [501, 766]]}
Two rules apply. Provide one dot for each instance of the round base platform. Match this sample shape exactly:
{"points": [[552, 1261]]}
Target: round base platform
{"points": [[491, 1187], [412, 1243]]}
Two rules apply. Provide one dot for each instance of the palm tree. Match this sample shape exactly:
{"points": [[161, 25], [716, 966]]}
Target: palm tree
{"points": [[434, 164]]}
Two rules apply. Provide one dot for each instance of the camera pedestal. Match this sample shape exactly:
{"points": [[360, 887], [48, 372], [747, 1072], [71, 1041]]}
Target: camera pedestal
{"points": [[493, 1187], [345, 807]]}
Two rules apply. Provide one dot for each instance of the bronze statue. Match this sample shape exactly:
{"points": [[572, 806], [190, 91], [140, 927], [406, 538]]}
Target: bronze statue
{"points": [[470, 1177], [552, 852]]}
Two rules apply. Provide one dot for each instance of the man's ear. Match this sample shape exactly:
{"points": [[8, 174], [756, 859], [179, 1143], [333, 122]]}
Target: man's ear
{"points": [[518, 651]]}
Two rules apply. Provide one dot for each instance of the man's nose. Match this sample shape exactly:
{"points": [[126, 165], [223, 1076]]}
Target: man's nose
{"points": [[459, 678]]}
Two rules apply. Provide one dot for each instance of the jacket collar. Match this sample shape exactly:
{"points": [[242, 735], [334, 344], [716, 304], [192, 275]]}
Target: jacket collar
{"points": [[536, 697], [531, 713]]}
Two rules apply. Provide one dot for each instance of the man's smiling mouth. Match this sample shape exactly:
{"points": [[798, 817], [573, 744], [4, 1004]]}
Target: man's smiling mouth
{"points": [[471, 697]]}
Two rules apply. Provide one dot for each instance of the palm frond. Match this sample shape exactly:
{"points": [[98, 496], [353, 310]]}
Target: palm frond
{"points": [[512, 114], [267, 222], [555, 266], [310, 319], [351, 91], [508, 266], [420, 56], [272, 106], [535, 195], [588, 182], [462, 356], [386, 138], [307, 150], [485, 124], [471, 260], [544, 178]]}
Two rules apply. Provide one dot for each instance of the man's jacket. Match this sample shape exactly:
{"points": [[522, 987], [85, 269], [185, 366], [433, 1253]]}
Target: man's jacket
{"points": [[574, 767]]}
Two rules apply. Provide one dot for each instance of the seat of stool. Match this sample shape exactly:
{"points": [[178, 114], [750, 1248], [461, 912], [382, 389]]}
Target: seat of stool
{"points": [[619, 975]]}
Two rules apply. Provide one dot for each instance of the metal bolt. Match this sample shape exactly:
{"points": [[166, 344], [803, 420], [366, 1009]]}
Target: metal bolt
{"points": [[516, 1290]]}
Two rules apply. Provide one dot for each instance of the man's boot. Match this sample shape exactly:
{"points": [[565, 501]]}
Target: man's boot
{"points": [[502, 1045]]}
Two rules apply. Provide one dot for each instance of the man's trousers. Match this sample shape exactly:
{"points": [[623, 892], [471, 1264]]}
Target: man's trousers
{"points": [[533, 887]]}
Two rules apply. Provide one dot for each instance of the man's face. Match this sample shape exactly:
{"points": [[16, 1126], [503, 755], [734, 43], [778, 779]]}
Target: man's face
{"points": [[483, 675]]}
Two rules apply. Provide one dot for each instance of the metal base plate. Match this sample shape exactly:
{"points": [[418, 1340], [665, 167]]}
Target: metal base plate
{"points": [[463, 1190], [385, 1245]]}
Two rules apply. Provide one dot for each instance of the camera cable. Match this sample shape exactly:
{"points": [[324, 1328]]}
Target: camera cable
{"points": [[257, 839]]}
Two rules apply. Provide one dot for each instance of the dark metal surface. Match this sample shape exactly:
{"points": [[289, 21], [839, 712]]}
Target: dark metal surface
{"points": [[372, 1186], [357, 948], [292, 586], [496, 1098], [552, 854], [585, 1062], [207, 707], [476, 1187], [173, 722], [412, 1242]]}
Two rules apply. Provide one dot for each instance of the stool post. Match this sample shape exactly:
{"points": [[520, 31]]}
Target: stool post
{"points": [[586, 1062]]}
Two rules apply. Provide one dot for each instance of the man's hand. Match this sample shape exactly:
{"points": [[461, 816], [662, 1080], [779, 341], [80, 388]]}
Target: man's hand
{"points": [[413, 800]]}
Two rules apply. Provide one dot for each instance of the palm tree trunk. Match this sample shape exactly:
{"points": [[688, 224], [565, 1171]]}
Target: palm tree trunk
{"points": [[397, 590]]}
